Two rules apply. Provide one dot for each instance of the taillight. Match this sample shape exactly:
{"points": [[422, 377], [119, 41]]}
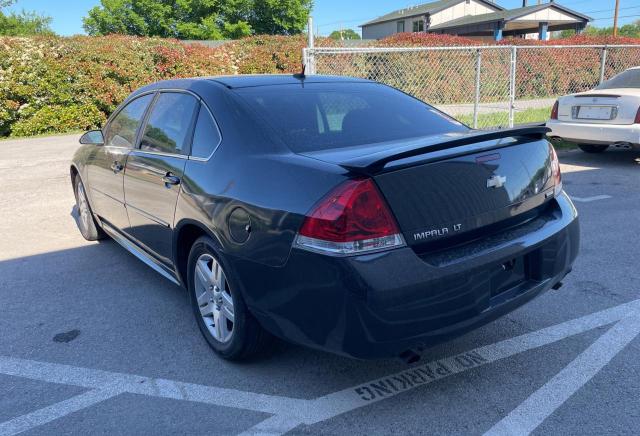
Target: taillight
{"points": [[637, 118], [352, 219], [555, 171], [554, 111]]}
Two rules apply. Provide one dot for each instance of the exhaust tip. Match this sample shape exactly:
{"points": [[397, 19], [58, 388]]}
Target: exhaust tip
{"points": [[622, 145], [557, 286], [409, 357], [555, 139]]}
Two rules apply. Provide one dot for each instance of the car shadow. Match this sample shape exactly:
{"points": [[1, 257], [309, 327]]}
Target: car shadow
{"points": [[611, 157]]}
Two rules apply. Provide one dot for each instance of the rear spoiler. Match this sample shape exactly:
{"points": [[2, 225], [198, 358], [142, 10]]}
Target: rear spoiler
{"points": [[375, 162], [596, 95]]}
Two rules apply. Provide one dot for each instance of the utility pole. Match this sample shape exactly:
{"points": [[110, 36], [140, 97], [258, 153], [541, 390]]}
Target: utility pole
{"points": [[615, 19]]}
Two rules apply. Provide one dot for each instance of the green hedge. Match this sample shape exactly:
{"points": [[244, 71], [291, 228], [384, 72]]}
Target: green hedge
{"points": [[53, 84]]}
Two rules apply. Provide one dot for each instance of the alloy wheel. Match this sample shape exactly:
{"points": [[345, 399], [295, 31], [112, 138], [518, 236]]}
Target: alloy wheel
{"points": [[214, 298], [83, 207]]}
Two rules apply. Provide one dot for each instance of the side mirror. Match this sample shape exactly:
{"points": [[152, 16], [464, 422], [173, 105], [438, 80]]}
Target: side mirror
{"points": [[92, 137]]}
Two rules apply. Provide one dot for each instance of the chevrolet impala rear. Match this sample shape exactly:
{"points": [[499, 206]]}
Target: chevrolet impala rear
{"points": [[333, 212], [429, 229]]}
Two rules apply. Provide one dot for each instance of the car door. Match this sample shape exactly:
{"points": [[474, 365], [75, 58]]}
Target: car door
{"points": [[154, 171], [105, 173]]}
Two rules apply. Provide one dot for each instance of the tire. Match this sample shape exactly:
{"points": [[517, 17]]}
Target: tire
{"points": [[219, 309], [86, 222], [593, 148]]}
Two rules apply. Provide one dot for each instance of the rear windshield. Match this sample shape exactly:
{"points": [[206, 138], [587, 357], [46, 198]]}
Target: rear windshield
{"points": [[329, 115], [626, 79]]}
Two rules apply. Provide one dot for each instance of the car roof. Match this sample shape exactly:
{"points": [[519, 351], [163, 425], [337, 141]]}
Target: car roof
{"points": [[252, 80], [244, 81]]}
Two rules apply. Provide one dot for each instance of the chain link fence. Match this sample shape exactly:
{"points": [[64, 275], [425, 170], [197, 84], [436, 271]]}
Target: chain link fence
{"points": [[484, 86]]}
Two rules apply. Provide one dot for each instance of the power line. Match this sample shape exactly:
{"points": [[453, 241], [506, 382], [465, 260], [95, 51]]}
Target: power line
{"points": [[609, 10], [624, 16], [576, 3]]}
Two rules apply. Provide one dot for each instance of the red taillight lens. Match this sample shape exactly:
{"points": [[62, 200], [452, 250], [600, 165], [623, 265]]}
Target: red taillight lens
{"points": [[637, 118], [555, 171], [554, 111], [352, 218]]}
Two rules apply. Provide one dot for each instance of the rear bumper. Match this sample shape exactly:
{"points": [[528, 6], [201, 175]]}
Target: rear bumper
{"points": [[380, 305], [595, 133]]}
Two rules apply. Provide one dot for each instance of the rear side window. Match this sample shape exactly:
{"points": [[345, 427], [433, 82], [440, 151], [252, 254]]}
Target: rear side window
{"points": [[169, 123], [335, 115], [626, 79], [206, 136], [124, 126]]}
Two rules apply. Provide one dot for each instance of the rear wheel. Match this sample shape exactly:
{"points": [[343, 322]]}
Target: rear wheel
{"points": [[220, 311], [593, 148], [87, 224]]}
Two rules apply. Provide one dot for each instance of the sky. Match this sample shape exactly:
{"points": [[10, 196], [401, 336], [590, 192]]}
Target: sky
{"points": [[330, 15]]}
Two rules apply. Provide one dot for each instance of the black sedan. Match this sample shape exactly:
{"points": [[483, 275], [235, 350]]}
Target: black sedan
{"points": [[333, 212]]}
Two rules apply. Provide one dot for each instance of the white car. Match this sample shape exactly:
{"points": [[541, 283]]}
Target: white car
{"points": [[606, 115]]}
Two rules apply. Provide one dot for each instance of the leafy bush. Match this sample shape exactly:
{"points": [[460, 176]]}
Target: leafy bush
{"points": [[52, 84], [448, 77], [53, 119]]}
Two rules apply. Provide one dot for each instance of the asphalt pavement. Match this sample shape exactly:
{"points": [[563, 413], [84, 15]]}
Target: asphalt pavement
{"points": [[94, 342]]}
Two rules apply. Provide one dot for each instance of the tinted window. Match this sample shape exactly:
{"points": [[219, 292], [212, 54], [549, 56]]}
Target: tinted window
{"points": [[122, 129], [206, 136], [322, 116], [169, 123], [626, 79]]}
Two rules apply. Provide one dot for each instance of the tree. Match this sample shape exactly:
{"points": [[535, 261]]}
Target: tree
{"points": [[279, 17], [344, 34], [198, 19], [23, 23], [629, 30]]}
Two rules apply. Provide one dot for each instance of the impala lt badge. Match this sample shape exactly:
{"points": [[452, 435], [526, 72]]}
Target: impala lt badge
{"points": [[496, 181]]}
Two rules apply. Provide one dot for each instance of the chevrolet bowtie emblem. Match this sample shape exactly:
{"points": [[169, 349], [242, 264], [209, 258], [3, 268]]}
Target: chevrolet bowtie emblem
{"points": [[496, 181]]}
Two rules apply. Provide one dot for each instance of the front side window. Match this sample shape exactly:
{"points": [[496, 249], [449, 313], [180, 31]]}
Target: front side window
{"points": [[418, 26], [400, 26], [169, 123], [124, 126], [206, 136], [325, 116]]}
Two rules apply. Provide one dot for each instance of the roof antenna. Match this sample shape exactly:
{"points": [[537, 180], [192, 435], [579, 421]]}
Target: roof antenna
{"points": [[301, 75]]}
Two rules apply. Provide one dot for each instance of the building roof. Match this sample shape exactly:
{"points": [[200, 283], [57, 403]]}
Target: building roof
{"points": [[506, 15], [426, 8]]}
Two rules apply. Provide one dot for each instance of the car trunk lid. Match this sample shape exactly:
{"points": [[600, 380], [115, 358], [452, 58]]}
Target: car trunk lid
{"points": [[605, 106], [459, 184]]}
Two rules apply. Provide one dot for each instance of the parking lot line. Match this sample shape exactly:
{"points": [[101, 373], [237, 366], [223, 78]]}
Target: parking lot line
{"points": [[589, 199], [287, 413], [273, 426], [135, 384], [55, 411], [355, 397], [542, 403]]}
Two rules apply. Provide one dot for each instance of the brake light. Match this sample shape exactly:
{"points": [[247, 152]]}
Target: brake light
{"points": [[554, 111], [555, 171], [637, 118], [352, 219]]}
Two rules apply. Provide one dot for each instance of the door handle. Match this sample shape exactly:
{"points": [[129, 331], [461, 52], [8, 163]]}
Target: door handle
{"points": [[116, 167], [170, 180]]}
